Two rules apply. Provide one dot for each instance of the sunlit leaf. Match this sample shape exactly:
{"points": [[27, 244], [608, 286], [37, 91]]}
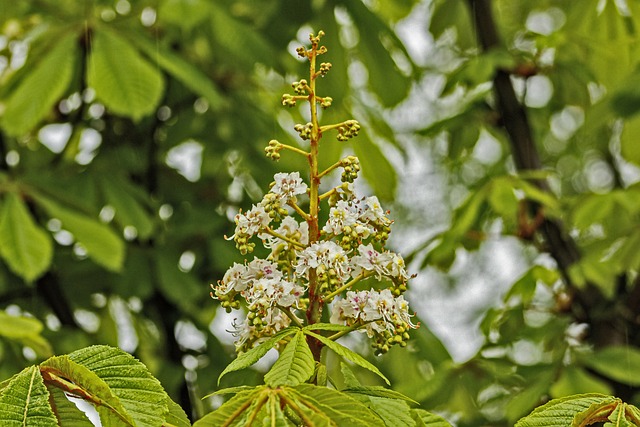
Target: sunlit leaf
{"points": [[561, 412], [41, 88], [26, 248], [348, 354], [25, 401], [295, 364], [244, 360], [123, 80], [101, 243]]}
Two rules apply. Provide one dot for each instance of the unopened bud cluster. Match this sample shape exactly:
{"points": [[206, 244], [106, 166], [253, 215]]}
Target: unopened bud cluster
{"points": [[342, 265]]}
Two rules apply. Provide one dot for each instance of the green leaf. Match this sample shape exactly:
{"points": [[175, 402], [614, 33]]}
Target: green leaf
{"points": [[376, 168], [427, 419], [101, 243], [377, 391], [621, 363], [238, 39], [561, 412], [139, 392], [228, 411], [82, 382], [575, 380], [184, 13], [176, 416], [629, 139], [385, 78], [25, 401], [67, 412], [38, 92], [25, 330], [348, 354], [129, 211], [247, 359], [182, 70], [394, 413], [124, 81], [295, 364], [342, 409], [229, 390], [25, 247], [14, 327], [326, 327]]}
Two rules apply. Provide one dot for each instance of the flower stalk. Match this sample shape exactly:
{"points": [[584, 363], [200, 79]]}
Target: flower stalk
{"points": [[312, 267]]}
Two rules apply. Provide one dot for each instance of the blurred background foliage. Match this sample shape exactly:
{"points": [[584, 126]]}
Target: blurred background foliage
{"points": [[131, 131]]}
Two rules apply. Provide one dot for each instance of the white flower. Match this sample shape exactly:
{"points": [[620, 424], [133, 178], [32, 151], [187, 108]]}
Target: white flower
{"points": [[378, 310], [253, 221], [288, 185], [288, 228], [235, 278], [324, 255], [368, 260], [340, 216], [373, 211]]}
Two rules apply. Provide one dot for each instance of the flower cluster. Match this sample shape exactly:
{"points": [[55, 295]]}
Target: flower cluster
{"points": [[341, 266]]}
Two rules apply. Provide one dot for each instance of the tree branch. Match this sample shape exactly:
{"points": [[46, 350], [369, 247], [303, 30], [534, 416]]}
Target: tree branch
{"points": [[525, 154]]}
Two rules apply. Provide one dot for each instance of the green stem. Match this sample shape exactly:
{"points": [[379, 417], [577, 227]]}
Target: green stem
{"points": [[299, 210], [272, 232], [294, 149], [290, 315], [347, 285], [330, 168]]}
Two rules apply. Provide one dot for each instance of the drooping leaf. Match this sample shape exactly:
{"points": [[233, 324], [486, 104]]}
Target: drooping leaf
{"points": [[123, 80], [561, 412], [378, 49], [26, 248], [101, 243], [25, 401], [427, 419], [339, 407], [139, 392], [41, 88], [182, 70], [621, 363], [25, 330], [348, 354], [376, 168], [247, 359], [295, 364]]}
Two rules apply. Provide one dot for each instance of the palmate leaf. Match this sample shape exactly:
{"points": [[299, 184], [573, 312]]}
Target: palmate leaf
{"points": [[427, 419], [26, 248], [140, 394], [340, 408], [295, 364], [41, 88], [348, 354], [25, 401], [247, 359], [563, 411], [103, 245], [229, 412], [88, 385], [123, 80], [176, 417]]}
